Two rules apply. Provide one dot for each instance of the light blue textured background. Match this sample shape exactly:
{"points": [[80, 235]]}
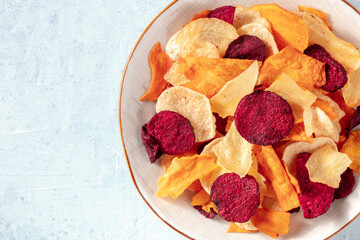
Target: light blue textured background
{"points": [[63, 174]]}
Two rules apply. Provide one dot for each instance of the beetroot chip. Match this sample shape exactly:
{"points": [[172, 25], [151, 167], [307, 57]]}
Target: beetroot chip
{"points": [[173, 132], [294, 210], [235, 197], [246, 47], [315, 198], [355, 120], [263, 118], [210, 215], [346, 184], [220, 123], [152, 146], [336, 76], [225, 13]]}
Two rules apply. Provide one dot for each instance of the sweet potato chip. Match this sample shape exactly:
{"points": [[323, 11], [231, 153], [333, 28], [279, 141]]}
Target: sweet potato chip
{"points": [[205, 75], [298, 98], [166, 158], [203, 37], [316, 12], [193, 106], [195, 186], [244, 15], [160, 63], [298, 134], [272, 223], [288, 28], [326, 107], [348, 111], [182, 172], [335, 110], [306, 71], [226, 100], [272, 169], [351, 90], [326, 165], [234, 227], [201, 198], [319, 33], [352, 148], [271, 204], [202, 14]]}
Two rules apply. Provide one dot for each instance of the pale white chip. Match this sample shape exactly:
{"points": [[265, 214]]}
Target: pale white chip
{"points": [[319, 33], [293, 150], [226, 100], [258, 30], [192, 105], [203, 37], [298, 98], [260, 179], [351, 90], [247, 226], [326, 165], [208, 149], [244, 15], [233, 152]]}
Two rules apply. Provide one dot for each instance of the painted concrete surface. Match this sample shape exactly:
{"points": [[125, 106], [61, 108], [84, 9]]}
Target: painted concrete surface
{"points": [[63, 174]]}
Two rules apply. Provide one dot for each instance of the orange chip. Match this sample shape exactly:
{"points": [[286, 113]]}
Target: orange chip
{"points": [[229, 122], [160, 63], [306, 71], [182, 172], [202, 14], [205, 75], [201, 198], [287, 27], [272, 169], [195, 186], [349, 112], [326, 107], [298, 133], [352, 148], [166, 158], [272, 223], [233, 228], [207, 207], [316, 12], [280, 147]]}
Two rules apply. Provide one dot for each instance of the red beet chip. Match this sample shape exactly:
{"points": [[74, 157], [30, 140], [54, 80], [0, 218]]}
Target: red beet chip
{"points": [[336, 76], [210, 215], [346, 184], [173, 131], [263, 118], [220, 123], [225, 13], [235, 197], [356, 118], [152, 146], [315, 198], [246, 47]]}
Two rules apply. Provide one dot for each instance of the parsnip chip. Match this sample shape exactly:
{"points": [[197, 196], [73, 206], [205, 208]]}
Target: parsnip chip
{"points": [[351, 90], [258, 30], [226, 100], [288, 28], [201, 198], [233, 152], [234, 227], [203, 37], [260, 179], [193, 106], [205, 75], [326, 165], [293, 150], [272, 223], [298, 98], [352, 148], [273, 170], [319, 33], [244, 15], [316, 12], [160, 63], [182, 172], [306, 71]]}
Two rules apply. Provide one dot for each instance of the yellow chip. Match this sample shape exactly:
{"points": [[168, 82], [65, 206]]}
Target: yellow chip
{"points": [[237, 228], [244, 15], [193, 106], [352, 148], [326, 165], [258, 30], [298, 98], [203, 37], [316, 12], [319, 33], [293, 150], [260, 179], [351, 90], [226, 100]]}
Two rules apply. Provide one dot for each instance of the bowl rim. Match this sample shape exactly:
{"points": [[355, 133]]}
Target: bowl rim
{"points": [[121, 132]]}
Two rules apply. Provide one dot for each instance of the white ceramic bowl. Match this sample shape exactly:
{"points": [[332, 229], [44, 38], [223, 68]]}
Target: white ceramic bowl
{"points": [[178, 213]]}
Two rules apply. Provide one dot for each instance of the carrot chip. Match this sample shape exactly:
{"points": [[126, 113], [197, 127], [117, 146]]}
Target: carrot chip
{"points": [[352, 148], [235, 228]]}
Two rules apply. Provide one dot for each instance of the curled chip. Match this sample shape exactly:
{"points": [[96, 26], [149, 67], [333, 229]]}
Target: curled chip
{"points": [[173, 132], [316, 12], [346, 185], [246, 47], [225, 13], [152, 146], [351, 90], [315, 198], [244, 15], [209, 215], [336, 76], [263, 118], [235, 197]]}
